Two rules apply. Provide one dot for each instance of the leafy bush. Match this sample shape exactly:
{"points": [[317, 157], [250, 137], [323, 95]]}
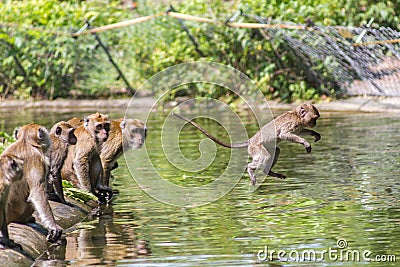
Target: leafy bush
{"points": [[45, 62], [6, 140], [76, 193]]}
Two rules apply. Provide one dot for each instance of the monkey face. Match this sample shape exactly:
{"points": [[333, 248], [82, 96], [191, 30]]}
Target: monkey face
{"points": [[98, 125], [311, 121], [101, 131], [65, 132], [72, 137], [134, 132], [308, 114]]}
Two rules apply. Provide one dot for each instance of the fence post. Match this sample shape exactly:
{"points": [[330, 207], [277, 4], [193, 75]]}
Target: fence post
{"points": [[120, 74]]}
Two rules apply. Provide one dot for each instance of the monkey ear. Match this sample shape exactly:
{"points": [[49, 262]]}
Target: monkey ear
{"points": [[16, 132], [122, 124], [58, 130], [302, 112], [85, 121]]}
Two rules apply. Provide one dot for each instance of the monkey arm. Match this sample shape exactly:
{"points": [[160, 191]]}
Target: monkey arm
{"points": [[3, 222], [57, 184], [81, 168], [39, 200], [316, 135], [108, 167], [295, 139]]}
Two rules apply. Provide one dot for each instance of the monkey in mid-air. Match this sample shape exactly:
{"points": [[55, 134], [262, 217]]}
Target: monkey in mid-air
{"points": [[283, 128], [10, 172]]}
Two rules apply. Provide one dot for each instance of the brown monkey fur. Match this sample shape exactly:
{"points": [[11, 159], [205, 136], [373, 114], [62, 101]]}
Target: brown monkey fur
{"points": [[282, 128], [10, 171], [124, 134], [82, 167], [134, 132], [29, 193], [75, 122], [61, 136]]}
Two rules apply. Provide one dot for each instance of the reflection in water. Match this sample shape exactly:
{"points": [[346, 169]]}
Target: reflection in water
{"points": [[348, 187], [100, 241]]}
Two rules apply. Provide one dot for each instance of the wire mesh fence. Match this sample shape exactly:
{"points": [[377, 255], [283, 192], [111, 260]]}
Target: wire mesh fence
{"points": [[328, 56]]}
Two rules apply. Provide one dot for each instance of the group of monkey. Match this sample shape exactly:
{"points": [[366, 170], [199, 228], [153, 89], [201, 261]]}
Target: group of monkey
{"points": [[82, 151]]}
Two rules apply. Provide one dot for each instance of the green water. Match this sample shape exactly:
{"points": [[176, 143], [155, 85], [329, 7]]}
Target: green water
{"points": [[347, 188]]}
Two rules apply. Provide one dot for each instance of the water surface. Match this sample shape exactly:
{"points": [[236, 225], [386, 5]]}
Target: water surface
{"points": [[347, 189]]}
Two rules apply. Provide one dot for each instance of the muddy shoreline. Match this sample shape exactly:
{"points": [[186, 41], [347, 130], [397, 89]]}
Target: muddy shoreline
{"points": [[353, 104]]}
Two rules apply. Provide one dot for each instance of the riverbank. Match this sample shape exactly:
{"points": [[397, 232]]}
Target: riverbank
{"points": [[352, 104], [32, 237]]}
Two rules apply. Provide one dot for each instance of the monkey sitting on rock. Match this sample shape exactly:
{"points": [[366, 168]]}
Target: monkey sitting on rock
{"points": [[29, 193], [82, 166], [262, 144], [61, 136]]}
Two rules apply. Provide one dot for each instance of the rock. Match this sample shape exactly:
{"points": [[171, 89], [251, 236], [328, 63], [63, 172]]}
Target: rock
{"points": [[32, 236]]}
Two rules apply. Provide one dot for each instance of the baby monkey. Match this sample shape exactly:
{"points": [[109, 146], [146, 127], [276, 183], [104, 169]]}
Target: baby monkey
{"points": [[260, 146]]}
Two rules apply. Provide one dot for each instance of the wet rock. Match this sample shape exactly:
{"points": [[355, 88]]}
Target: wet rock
{"points": [[32, 236]]}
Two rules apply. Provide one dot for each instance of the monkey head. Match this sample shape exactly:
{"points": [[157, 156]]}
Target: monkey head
{"points": [[308, 114], [65, 132], [35, 135], [134, 133], [75, 122], [10, 169], [98, 126]]}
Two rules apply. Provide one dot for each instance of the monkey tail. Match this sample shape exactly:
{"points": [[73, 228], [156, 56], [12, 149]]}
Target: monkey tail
{"points": [[201, 129]]}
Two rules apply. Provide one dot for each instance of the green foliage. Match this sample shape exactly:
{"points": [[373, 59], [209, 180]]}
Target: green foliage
{"points": [[6, 140], [41, 60], [75, 193]]}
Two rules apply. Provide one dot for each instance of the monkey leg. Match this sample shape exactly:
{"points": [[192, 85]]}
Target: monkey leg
{"points": [[9, 243], [55, 190], [39, 200], [269, 171], [81, 167], [260, 157], [3, 219], [104, 194], [114, 166], [98, 188], [58, 189]]}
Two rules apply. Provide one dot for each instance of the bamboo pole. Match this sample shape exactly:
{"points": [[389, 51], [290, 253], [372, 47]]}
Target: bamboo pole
{"points": [[119, 24], [392, 41], [190, 17]]}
